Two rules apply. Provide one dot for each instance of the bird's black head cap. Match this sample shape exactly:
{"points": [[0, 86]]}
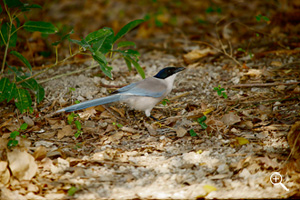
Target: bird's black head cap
{"points": [[168, 71]]}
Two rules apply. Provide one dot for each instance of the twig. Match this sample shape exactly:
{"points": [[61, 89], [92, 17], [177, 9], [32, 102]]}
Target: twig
{"points": [[45, 70], [179, 96], [265, 101], [67, 74], [223, 47], [262, 84]]}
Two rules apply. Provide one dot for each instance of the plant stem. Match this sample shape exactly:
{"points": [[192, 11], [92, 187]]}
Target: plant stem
{"points": [[6, 50], [67, 74], [45, 70]]}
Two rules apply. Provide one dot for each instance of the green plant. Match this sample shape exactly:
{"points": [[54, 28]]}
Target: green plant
{"points": [[214, 9], [72, 190], [165, 101], [101, 45], [192, 133], [117, 124], [77, 123], [262, 18], [12, 142], [221, 91], [10, 89], [243, 50], [201, 122]]}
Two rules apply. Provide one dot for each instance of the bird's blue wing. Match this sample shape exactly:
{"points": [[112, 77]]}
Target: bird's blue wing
{"points": [[136, 91], [125, 88], [148, 87]]}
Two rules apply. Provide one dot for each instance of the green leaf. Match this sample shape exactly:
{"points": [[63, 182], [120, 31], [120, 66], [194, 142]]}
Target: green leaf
{"points": [[193, 133], [132, 53], [201, 119], [126, 44], [99, 57], [265, 18], [86, 45], [23, 59], [30, 83], [72, 191], [67, 36], [78, 42], [12, 143], [203, 125], [71, 118], [0, 9], [201, 122], [33, 85], [22, 100], [97, 36], [43, 27], [77, 134], [128, 63], [125, 29], [7, 89], [138, 68], [27, 7], [241, 49], [165, 101], [39, 94], [13, 3], [5, 32], [158, 23], [119, 125], [14, 134], [24, 126], [78, 125], [108, 42]]}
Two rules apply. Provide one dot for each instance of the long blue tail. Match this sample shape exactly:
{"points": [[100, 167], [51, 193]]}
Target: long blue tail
{"points": [[94, 102]]}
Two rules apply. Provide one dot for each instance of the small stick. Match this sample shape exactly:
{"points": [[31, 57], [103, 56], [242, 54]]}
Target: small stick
{"points": [[262, 84]]}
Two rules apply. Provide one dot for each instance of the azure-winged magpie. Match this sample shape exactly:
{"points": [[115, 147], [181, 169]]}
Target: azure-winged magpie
{"points": [[142, 95]]}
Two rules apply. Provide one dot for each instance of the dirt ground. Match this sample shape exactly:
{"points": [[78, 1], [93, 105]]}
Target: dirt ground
{"points": [[122, 154]]}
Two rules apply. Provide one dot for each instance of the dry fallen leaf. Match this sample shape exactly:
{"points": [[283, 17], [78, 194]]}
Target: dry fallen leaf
{"points": [[116, 136], [294, 140], [254, 72], [40, 153], [241, 140], [180, 131], [4, 172], [86, 114], [28, 120], [66, 131], [209, 188], [230, 119], [21, 164], [150, 129], [196, 54]]}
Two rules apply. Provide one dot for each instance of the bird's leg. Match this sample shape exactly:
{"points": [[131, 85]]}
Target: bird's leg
{"points": [[158, 120], [151, 116]]}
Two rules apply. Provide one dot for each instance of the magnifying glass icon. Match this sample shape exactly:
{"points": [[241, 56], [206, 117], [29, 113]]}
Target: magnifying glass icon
{"points": [[276, 179]]}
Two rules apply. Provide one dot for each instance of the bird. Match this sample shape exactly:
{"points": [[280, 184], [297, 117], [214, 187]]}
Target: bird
{"points": [[142, 95]]}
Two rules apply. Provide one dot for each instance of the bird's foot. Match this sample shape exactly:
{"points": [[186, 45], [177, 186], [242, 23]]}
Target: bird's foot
{"points": [[158, 120]]}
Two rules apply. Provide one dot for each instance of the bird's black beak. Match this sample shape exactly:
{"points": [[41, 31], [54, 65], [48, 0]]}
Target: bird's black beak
{"points": [[179, 69]]}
